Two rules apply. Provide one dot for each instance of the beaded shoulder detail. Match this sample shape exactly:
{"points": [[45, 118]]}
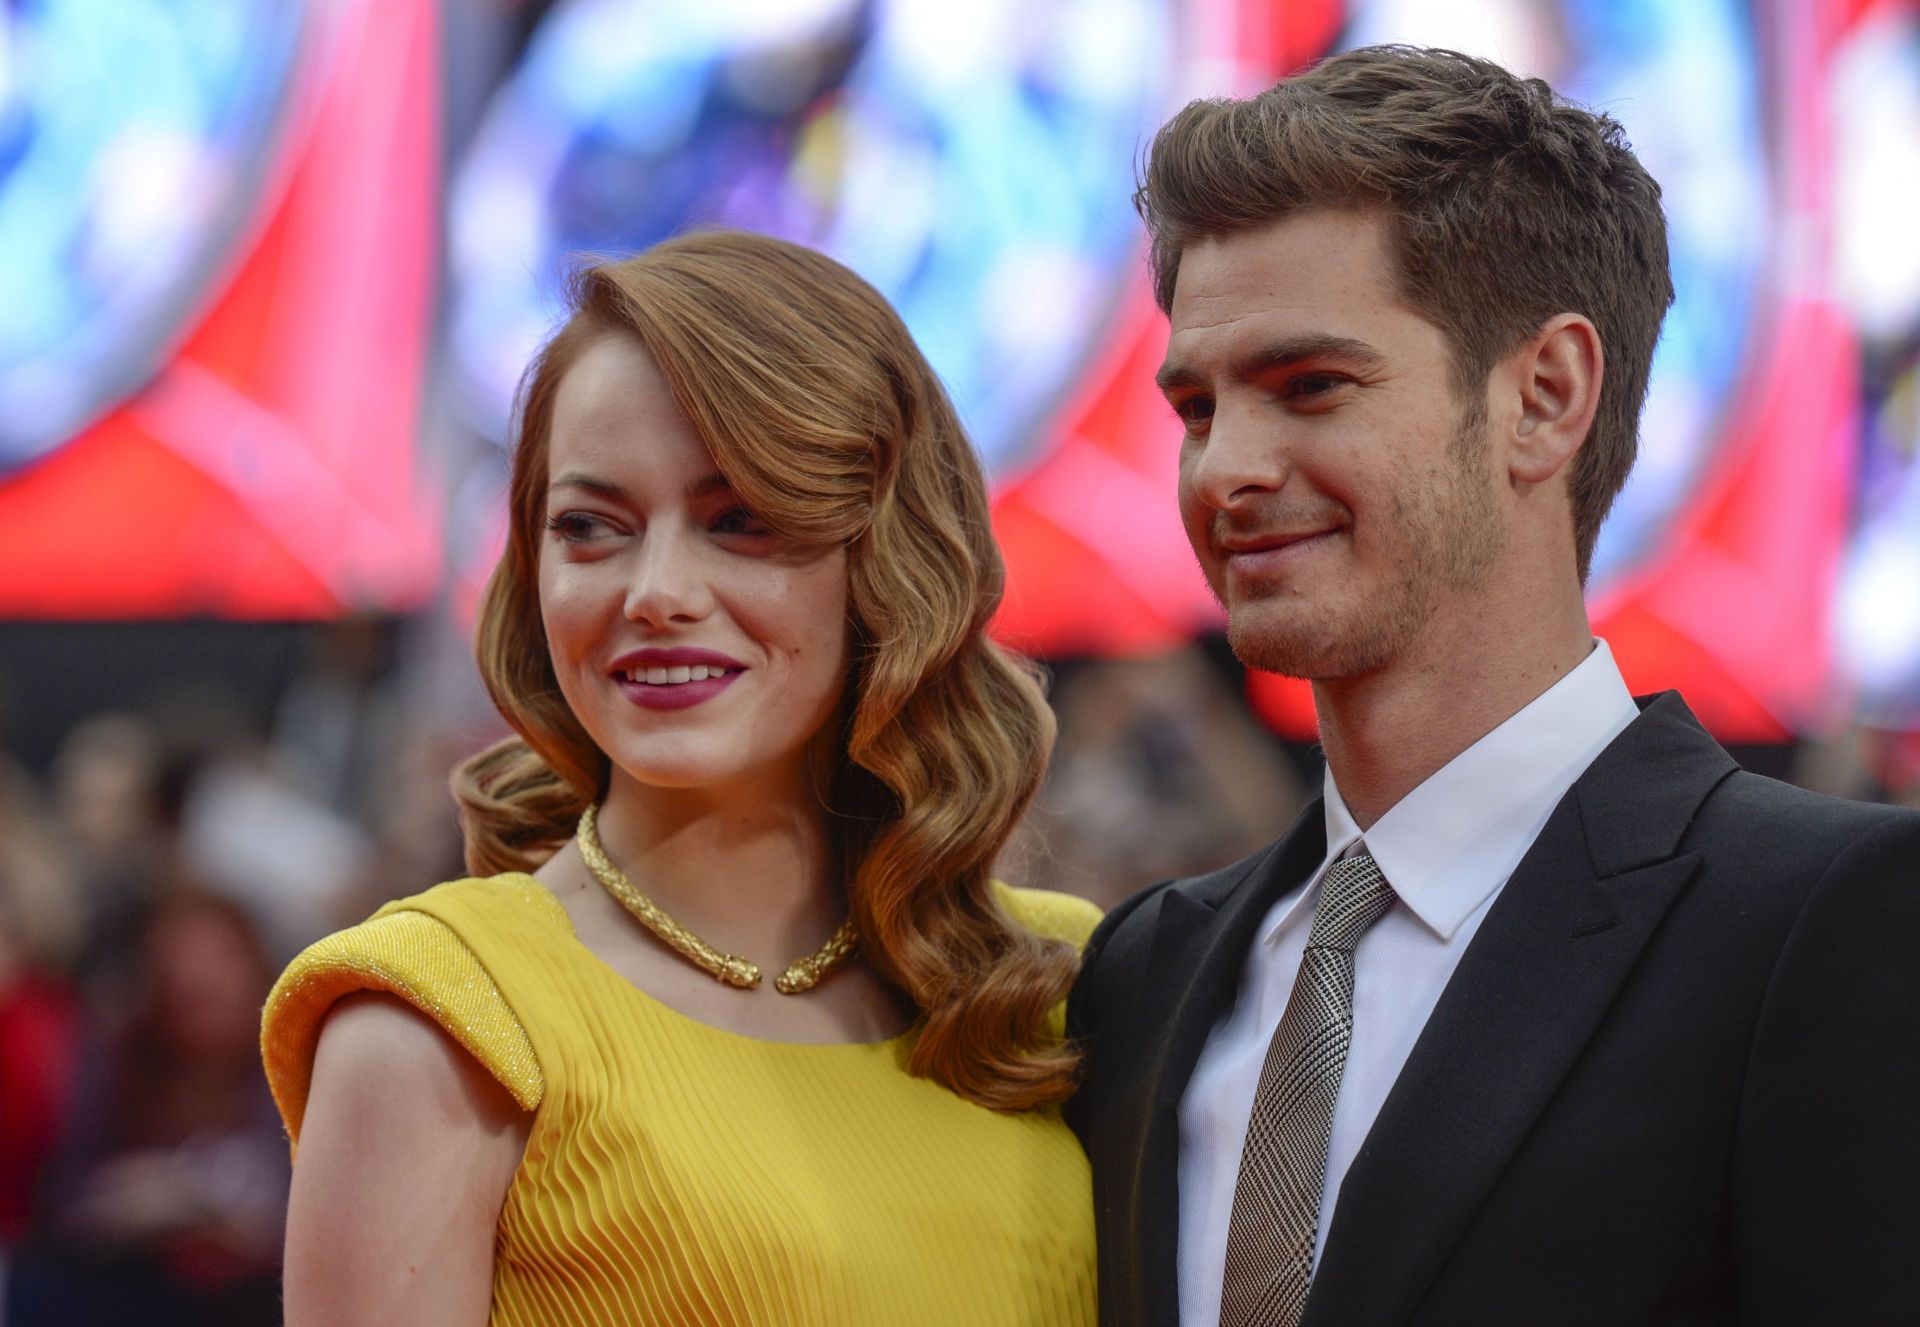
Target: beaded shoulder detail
{"points": [[405, 953], [1056, 916], [1049, 913]]}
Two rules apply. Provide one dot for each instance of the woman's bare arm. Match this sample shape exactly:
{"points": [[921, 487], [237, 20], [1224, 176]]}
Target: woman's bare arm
{"points": [[406, 1153]]}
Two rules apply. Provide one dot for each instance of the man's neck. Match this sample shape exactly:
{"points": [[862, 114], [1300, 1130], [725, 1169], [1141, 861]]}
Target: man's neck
{"points": [[1387, 732]]}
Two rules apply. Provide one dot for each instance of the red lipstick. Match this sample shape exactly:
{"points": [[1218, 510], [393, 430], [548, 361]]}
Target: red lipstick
{"points": [[675, 678]]}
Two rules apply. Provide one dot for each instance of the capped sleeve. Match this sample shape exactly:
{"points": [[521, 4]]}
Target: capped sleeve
{"points": [[406, 954], [1056, 916], [1050, 913]]}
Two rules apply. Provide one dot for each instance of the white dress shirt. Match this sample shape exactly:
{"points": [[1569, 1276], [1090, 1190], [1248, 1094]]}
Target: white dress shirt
{"points": [[1447, 848]]}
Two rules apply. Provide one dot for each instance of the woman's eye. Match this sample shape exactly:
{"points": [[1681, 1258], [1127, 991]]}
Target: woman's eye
{"points": [[573, 527], [738, 520]]}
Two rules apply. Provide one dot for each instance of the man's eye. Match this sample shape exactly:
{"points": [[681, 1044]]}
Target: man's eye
{"points": [[1194, 410], [1313, 384]]}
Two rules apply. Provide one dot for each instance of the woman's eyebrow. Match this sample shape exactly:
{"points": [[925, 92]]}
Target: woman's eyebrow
{"points": [[702, 487], [580, 479]]}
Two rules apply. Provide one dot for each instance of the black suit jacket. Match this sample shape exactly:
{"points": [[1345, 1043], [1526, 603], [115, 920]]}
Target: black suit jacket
{"points": [[1675, 1078]]}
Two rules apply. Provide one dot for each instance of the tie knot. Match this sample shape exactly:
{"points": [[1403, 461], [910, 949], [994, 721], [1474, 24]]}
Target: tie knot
{"points": [[1353, 897]]}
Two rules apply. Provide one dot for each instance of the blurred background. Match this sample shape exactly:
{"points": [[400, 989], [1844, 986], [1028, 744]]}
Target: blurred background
{"points": [[270, 269]]}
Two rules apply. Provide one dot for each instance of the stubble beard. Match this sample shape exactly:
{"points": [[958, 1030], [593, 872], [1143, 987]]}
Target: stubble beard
{"points": [[1441, 536]]}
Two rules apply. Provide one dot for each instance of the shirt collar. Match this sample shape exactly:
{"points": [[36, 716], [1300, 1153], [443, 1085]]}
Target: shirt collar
{"points": [[1450, 843]]}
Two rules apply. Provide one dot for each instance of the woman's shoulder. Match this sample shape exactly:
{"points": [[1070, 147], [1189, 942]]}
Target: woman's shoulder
{"points": [[412, 949], [424, 940], [482, 894], [1049, 913]]}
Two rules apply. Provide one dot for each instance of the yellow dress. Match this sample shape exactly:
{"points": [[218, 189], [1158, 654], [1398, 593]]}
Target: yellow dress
{"points": [[679, 1174]]}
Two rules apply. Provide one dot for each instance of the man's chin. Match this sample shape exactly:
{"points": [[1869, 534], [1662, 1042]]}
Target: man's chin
{"points": [[1289, 654], [1318, 653]]}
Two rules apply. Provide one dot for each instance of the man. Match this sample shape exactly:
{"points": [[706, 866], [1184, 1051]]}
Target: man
{"points": [[1548, 1014]]}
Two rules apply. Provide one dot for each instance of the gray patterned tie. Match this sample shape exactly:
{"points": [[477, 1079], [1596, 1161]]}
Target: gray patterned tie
{"points": [[1276, 1205]]}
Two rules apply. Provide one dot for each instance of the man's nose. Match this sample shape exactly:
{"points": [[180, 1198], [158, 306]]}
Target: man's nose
{"points": [[1243, 456]]}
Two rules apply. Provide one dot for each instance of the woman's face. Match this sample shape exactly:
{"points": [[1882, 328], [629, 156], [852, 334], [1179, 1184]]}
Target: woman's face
{"points": [[697, 648]]}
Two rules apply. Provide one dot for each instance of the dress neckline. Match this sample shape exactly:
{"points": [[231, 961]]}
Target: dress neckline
{"points": [[556, 912]]}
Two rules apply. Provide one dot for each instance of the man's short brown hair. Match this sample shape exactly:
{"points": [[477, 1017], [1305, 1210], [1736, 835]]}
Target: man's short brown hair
{"points": [[1507, 205]]}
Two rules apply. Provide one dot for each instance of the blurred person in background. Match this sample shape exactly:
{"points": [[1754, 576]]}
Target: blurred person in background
{"points": [[739, 627], [112, 785], [166, 1203], [39, 1010], [250, 834], [1864, 762], [1159, 771], [414, 830], [337, 722]]}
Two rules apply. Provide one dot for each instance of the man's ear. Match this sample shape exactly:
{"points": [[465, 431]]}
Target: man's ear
{"points": [[1558, 374]]}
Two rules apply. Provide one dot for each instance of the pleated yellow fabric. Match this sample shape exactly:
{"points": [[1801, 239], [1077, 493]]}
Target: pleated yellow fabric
{"points": [[679, 1174]]}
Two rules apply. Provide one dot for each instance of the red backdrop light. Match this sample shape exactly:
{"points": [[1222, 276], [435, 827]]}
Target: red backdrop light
{"points": [[270, 470]]}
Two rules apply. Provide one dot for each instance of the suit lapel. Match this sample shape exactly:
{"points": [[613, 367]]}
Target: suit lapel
{"points": [[1522, 1005], [1199, 951]]}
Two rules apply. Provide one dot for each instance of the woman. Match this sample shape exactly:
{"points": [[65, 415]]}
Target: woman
{"points": [[739, 629]]}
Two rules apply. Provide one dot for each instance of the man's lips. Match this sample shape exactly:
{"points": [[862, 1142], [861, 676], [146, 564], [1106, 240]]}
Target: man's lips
{"points": [[1271, 550]]}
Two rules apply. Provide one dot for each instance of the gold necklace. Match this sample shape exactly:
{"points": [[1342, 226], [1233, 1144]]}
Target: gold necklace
{"points": [[803, 974]]}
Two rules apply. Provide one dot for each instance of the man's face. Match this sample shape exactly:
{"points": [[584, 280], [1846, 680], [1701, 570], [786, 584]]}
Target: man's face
{"points": [[1337, 492]]}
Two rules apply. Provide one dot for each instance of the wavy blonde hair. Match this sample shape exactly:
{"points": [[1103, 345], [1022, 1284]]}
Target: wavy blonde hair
{"points": [[822, 413]]}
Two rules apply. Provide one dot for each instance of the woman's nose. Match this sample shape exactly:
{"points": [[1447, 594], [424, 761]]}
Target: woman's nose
{"points": [[668, 582]]}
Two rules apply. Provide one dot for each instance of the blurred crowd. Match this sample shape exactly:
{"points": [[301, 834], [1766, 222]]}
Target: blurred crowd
{"points": [[169, 858], [154, 877]]}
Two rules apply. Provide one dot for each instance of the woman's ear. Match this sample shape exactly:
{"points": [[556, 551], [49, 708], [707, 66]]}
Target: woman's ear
{"points": [[1558, 373]]}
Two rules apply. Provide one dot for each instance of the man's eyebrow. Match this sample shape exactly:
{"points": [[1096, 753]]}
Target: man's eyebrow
{"points": [[1278, 355], [704, 486]]}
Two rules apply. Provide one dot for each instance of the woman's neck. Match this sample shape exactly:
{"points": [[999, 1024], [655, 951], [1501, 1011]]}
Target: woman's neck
{"points": [[752, 863]]}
